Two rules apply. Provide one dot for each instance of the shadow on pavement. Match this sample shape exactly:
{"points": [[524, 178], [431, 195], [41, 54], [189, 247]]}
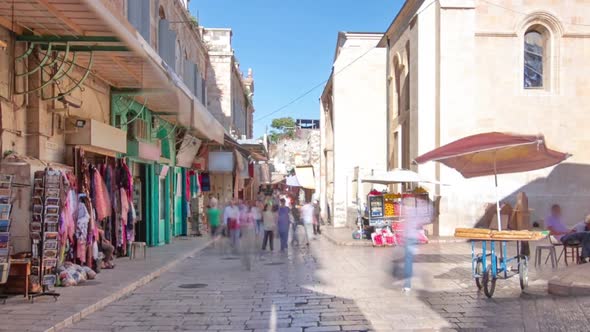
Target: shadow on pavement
{"points": [[212, 291]]}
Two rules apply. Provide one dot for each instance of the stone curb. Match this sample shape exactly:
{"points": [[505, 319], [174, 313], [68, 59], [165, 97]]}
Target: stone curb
{"points": [[366, 243], [78, 316], [568, 288]]}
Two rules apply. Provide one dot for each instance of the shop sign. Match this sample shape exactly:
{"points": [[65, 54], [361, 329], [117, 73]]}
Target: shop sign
{"points": [[221, 162], [148, 151]]}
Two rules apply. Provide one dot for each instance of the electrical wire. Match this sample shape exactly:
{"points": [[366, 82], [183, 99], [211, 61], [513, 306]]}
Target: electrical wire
{"points": [[362, 55], [301, 96]]}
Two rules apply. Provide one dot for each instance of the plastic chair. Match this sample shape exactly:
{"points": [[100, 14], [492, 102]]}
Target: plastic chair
{"points": [[135, 246], [552, 254]]}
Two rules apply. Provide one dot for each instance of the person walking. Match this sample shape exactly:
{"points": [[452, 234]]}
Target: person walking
{"points": [[213, 218], [416, 214], [316, 217], [270, 223], [231, 213], [257, 213], [283, 225], [248, 236], [295, 212], [307, 211]]}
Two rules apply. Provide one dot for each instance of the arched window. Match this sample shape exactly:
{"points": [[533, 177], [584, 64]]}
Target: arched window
{"points": [[536, 57]]}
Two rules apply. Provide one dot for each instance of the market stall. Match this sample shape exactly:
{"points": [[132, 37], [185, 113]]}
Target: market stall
{"points": [[384, 213], [492, 154]]}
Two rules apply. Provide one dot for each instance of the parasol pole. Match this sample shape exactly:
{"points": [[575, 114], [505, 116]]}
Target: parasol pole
{"points": [[497, 197]]}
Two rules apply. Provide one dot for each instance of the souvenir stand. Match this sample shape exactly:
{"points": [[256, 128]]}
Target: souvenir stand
{"points": [[5, 208], [46, 206]]}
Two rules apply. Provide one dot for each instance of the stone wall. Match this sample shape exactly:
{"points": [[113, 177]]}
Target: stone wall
{"points": [[303, 150]]}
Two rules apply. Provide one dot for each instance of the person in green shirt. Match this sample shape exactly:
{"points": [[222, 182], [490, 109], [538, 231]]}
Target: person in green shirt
{"points": [[214, 217]]}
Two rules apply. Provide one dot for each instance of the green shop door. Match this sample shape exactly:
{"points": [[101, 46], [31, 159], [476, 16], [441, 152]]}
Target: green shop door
{"points": [[162, 211], [179, 202]]}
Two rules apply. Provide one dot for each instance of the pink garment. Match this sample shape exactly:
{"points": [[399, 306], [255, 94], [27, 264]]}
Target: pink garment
{"points": [[130, 181], [103, 202], [68, 227]]}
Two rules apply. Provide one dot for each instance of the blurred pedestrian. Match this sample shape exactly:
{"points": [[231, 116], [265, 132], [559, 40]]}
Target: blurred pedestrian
{"points": [[415, 213], [231, 223], [316, 217], [257, 213], [213, 217], [295, 222], [270, 224], [248, 236], [307, 211], [283, 224]]}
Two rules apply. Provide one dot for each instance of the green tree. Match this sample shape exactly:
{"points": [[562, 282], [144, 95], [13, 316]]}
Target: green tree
{"points": [[282, 128]]}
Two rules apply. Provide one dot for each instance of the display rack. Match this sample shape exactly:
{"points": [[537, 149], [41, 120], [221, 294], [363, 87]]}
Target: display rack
{"points": [[46, 204], [5, 209]]}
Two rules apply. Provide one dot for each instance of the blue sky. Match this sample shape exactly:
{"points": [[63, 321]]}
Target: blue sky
{"points": [[290, 44]]}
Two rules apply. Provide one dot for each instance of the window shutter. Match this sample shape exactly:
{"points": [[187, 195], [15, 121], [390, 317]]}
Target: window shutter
{"points": [[189, 75], [138, 14], [167, 43], [197, 84]]}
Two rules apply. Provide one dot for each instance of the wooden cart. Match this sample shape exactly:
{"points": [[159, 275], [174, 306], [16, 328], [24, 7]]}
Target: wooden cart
{"points": [[489, 265]]}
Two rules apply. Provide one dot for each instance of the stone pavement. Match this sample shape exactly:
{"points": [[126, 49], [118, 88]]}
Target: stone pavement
{"points": [[75, 303], [333, 288]]}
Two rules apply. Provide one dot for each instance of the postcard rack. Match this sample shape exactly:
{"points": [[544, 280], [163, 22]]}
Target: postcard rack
{"points": [[47, 188], [5, 209]]}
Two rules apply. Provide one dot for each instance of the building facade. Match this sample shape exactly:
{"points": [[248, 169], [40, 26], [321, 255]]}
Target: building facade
{"points": [[457, 68], [229, 92], [352, 122], [122, 80]]}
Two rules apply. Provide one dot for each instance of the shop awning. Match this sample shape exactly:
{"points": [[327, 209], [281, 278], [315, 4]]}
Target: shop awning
{"points": [[277, 178], [292, 181], [256, 148], [98, 137], [305, 176]]}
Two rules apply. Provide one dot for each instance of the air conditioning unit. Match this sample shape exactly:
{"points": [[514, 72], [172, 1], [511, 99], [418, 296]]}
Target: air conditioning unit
{"points": [[139, 130]]}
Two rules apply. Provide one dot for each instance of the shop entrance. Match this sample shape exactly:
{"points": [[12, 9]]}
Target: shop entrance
{"points": [[139, 203], [179, 197], [162, 210]]}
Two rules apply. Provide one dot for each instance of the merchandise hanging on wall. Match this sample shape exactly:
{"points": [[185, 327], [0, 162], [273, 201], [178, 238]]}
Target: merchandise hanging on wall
{"points": [[5, 208]]}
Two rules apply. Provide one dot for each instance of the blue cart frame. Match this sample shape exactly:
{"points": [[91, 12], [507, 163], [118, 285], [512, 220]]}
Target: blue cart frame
{"points": [[501, 267]]}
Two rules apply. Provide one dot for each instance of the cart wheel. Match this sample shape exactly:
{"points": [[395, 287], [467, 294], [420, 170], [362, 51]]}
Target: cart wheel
{"points": [[478, 271], [489, 282], [523, 273]]}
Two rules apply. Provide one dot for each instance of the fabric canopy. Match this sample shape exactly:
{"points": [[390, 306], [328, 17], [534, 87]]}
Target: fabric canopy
{"points": [[394, 176], [292, 181], [495, 153], [306, 177]]}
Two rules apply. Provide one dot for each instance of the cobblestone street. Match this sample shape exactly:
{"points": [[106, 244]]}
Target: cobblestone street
{"points": [[332, 288]]}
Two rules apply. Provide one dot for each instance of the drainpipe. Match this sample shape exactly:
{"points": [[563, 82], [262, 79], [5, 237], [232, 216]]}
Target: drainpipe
{"points": [[387, 107]]}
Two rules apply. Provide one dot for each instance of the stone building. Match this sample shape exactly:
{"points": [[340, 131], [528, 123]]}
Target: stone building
{"points": [[461, 67], [119, 79], [352, 122], [229, 93]]}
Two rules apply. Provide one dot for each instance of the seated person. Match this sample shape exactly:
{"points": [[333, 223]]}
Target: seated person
{"points": [[583, 226], [107, 249], [580, 235], [554, 223]]}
